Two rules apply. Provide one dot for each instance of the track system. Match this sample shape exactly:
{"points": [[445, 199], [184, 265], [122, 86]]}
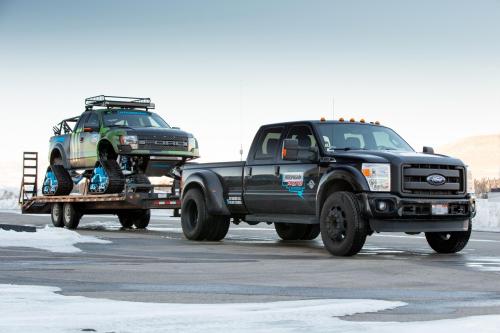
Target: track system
{"points": [[107, 178], [57, 181]]}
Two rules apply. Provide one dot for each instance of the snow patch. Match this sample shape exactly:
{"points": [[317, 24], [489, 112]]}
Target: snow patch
{"points": [[8, 199], [50, 239], [488, 215], [40, 309]]}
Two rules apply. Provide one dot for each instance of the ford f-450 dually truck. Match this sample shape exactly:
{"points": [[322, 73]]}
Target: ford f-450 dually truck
{"points": [[343, 179]]}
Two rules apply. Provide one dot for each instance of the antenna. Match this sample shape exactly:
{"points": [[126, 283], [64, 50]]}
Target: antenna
{"points": [[241, 120], [333, 107]]}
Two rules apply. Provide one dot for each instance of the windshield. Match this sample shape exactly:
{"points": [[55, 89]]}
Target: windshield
{"points": [[338, 136], [133, 118]]}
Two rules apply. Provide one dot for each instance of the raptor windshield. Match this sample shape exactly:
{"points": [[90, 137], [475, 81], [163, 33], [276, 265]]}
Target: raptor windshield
{"points": [[133, 118], [349, 136]]}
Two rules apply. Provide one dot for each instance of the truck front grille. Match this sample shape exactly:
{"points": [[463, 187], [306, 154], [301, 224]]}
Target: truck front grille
{"points": [[415, 179], [163, 142]]}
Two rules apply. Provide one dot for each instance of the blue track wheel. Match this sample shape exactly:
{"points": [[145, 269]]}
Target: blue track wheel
{"points": [[57, 181], [106, 178]]}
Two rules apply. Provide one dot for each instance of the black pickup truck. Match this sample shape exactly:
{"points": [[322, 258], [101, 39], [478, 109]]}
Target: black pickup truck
{"points": [[343, 179]]}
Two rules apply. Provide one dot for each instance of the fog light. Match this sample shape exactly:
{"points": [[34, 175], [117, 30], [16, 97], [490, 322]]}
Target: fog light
{"points": [[381, 205]]}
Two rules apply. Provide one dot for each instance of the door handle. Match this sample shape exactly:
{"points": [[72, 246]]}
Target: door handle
{"points": [[249, 175], [276, 170]]}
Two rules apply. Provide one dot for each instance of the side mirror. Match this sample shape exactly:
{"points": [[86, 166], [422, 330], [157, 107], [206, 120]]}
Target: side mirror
{"points": [[428, 150], [175, 127], [90, 129], [293, 152]]}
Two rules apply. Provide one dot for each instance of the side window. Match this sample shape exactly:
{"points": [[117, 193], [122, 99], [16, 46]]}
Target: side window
{"points": [[79, 124], [303, 134], [268, 144], [92, 121]]}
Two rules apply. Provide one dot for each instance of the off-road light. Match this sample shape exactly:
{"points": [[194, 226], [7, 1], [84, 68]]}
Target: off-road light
{"points": [[378, 176]]}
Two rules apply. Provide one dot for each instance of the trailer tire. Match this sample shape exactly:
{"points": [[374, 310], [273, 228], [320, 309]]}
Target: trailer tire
{"points": [[312, 232], [218, 228], [126, 220], [195, 219], [142, 218], [290, 231], [71, 216], [343, 228], [448, 242], [56, 215]]}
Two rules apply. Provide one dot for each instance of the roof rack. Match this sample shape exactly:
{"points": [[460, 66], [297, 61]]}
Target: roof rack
{"points": [[118, 102]]}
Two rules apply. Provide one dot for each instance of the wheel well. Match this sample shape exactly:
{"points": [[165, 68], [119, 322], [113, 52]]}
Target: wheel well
{"points": [[335, 186], [106, 148], [191, 186], [55, 155]]}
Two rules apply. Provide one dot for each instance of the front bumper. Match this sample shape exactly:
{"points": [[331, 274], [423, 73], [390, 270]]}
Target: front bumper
{"points": [[415, 214]]}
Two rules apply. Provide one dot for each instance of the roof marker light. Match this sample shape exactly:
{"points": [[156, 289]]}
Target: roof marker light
{"points": [[377, 122], [352, 120], [322, 119], [341, 119], [362, 120]]}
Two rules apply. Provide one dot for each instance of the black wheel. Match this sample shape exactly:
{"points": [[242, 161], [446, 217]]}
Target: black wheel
{"points": [[195, 219], [139, 179], [56, 214], [218, 228], [71, 217], [290, 231], [141, 218], [448, 242], [343, 229], [126, 219], [312, 231]]}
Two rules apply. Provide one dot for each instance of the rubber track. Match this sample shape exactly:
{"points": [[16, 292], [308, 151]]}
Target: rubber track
{"points": [[64, 181], [115, 175]]}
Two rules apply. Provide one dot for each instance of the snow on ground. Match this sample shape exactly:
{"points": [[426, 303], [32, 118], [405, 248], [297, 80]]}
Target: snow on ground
{"points": [[8, 199], [488, 215], [50, 239], [40, 309]]}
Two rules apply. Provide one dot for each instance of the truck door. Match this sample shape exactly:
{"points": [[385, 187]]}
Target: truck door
{"points": [[88, 140], [260, 175], [298, 179], [76, 160]]}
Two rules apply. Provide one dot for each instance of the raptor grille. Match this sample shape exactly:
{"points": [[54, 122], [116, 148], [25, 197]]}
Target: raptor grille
{"points": [[163, 142], [415, 179]]}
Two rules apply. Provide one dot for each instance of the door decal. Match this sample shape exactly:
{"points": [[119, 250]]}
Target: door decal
{"points": [[293, 182]]}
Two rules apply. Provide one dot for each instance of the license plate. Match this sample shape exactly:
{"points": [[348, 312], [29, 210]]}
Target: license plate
{"points": [[440, 209]]}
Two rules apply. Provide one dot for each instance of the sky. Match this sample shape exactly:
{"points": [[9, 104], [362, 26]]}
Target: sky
{"points": [[220, 69]]}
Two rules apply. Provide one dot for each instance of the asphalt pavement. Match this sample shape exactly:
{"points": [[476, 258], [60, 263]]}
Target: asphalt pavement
{"points": [[253, 265]]}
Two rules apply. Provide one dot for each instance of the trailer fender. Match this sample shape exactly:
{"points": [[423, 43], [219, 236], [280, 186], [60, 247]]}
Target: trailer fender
{"points": [[212, 189], [346, 177]]}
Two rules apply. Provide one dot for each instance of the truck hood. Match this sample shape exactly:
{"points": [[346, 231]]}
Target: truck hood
{"points": [[157, 132], [396, 157]]}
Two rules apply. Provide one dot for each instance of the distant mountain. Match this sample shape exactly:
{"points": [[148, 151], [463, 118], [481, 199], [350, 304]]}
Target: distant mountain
{"points": [[481, 153]]}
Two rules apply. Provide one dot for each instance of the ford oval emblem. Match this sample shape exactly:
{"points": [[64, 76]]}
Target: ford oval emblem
{"points": [[436, 180]]}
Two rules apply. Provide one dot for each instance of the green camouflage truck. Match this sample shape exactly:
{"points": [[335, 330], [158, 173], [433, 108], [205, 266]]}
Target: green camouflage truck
{"points": [[115, 141]]}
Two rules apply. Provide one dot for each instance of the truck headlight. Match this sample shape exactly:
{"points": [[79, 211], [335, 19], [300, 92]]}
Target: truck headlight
{"points": [[192, 144], [378, 176], [470, 182], [130, 140]]}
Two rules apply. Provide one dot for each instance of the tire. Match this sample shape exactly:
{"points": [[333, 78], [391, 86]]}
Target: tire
{"points": [[71, 217], [195, 219], [290, 231], [312, 232], [448, 242], [218, 228], [126, 219], [56, 214], [343, 228], [139, 179], [142, 218]]}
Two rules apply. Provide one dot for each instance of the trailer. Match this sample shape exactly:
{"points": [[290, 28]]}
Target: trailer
{"points": [[132, 206]]}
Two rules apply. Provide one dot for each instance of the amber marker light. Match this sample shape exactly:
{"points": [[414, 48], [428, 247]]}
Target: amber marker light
{"points": [[352, 120], [367, 172], [322, 119], [362, 120], [341, 119]]}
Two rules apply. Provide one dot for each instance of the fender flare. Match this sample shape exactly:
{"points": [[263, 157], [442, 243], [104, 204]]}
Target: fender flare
{"points": [[62, 152], [212, 189], [102, 142], [345, 173]]}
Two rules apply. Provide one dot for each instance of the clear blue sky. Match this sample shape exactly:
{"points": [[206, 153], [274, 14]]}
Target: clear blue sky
{"points": [[430, 69]]}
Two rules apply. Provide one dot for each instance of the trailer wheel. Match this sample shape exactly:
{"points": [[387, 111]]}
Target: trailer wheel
{"points": [[141, 218], [56, 214], [71, 217], [290, 231], [125, 220], [312, 232], [343, 228], [195, 219], [218, 229], [448, 242]]}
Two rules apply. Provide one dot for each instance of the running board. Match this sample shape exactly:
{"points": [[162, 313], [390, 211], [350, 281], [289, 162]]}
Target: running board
{"points": [[284, 218]]}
